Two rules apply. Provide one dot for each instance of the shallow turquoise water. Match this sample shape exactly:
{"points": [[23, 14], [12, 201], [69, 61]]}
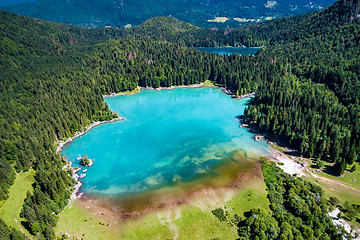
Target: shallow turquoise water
{"points": [[230, 50], [167, 136]]}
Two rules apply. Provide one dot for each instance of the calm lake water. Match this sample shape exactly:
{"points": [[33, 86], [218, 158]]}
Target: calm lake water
{"points": [[167, 137], [230, 50]]}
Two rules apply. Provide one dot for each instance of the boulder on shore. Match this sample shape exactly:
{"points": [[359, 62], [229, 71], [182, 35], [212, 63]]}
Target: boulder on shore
{"points": [[85, 161], [258, 137], [91, 162]]}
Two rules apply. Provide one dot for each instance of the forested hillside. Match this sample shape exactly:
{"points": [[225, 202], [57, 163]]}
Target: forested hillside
{"points": [[54, 75], [315, 106], [118, 13]]}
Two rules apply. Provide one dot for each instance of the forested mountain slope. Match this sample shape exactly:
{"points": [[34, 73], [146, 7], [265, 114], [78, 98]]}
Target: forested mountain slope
{"points": [[282, 30], [316, 107], [118, 13], [54, 75]]}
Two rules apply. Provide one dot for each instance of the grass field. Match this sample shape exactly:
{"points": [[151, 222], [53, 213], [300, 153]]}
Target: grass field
{"points": [[191, 220], [11, 208], [219, 19], [346, 188], [209, 83]]}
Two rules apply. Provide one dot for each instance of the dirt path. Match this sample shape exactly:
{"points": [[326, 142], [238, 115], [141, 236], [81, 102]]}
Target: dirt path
{"points": [[336, 182], [19, 225], [168, 219], [291, 166]]}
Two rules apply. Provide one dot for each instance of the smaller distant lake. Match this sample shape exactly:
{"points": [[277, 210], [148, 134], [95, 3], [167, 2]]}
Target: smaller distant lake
{"points": [[230, 50]]}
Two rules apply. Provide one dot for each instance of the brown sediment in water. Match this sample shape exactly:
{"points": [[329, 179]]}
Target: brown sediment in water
{"points": [[232, 173]]}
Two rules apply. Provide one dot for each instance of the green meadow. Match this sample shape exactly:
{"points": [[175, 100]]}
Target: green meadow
{"points": [[191, 220]]}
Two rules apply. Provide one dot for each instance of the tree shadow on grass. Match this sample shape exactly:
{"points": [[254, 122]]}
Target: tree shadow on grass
{"points": [[26, 225], [331, 171]]}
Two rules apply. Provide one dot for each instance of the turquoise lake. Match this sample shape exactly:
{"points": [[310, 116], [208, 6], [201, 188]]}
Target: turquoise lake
{"points": [[230, 50], [167, 137]]}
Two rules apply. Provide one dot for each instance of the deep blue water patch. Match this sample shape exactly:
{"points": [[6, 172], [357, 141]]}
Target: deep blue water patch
{"points": [[230, 50]]}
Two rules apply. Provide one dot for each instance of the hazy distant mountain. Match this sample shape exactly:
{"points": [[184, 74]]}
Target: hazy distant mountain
{"points": [[203, 13], [11, 2]]}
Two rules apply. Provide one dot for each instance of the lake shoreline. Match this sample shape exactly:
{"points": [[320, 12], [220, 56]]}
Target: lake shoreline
{"points": [[288, 163], [68, 164], [139, 89], [77, 188], [77, 134], [200, 85], [110, 210]]}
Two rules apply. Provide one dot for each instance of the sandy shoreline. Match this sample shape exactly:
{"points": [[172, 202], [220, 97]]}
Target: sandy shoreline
{"points": [[288, 164]]}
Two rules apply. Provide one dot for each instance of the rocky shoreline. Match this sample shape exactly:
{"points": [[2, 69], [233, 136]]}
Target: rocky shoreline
{"points": [[73, 174], [73, 170]]}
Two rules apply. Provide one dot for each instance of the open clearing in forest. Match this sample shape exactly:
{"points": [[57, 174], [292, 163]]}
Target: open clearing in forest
{"points": [[11, 208], [343, 188], [219, 19]]}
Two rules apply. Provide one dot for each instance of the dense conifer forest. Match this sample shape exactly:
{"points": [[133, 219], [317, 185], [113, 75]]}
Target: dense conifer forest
{"points": [[53, 77]]}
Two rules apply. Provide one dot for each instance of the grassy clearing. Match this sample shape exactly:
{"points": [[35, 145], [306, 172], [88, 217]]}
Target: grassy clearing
{"points": [[192, 220], [349, 177], [337, 190], [219, 19], [338, 187], [79, 222], [11, 208], [344, 188], [137, 89], [209, 83]]}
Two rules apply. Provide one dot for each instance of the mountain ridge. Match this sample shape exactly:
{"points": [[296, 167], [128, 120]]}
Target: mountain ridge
{"points": [[120, 13]]}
